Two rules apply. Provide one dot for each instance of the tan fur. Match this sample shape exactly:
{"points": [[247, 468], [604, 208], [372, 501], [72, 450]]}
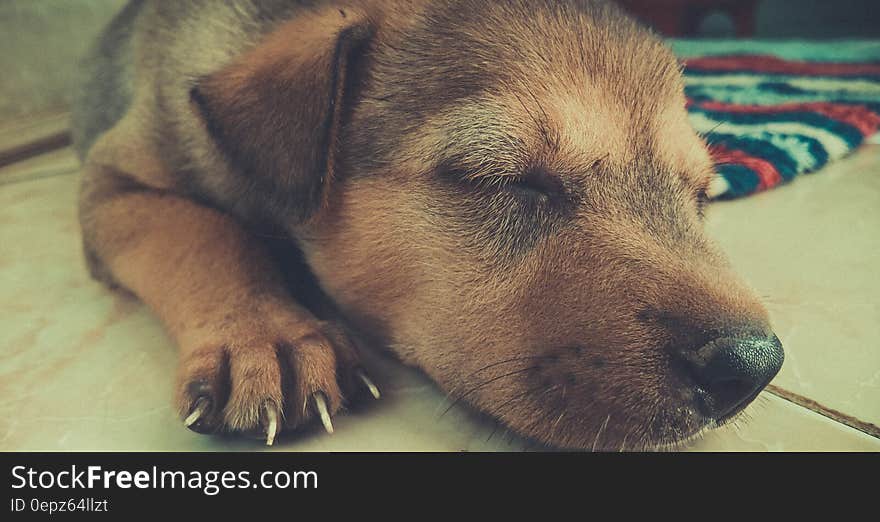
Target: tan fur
{"points": [[505, 194]]}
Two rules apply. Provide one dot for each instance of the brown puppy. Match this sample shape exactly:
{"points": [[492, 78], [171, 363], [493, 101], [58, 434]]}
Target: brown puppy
{"points": [[506, 194]]}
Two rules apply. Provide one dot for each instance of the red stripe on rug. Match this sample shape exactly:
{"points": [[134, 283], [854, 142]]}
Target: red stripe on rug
{"points": [[766, 171], [773, 65], [858, 116]]}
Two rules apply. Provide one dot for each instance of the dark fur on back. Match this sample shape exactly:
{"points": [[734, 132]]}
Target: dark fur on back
{"points": [[106, 81]]}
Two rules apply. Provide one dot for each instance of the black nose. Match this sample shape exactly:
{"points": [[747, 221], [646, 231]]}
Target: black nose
{"points": [[731, 371]]}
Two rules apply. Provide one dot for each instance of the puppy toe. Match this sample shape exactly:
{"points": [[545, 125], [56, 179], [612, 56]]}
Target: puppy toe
{"points": [[271, 382], [353, 378], [203, 389], [256, 398], [313, 390]]}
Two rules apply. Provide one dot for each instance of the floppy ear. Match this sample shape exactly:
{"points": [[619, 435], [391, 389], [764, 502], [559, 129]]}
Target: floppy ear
{"points": [[275, 111]]}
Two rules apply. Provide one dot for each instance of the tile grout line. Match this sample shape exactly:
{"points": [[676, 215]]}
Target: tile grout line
{"points": [[36, 147], [35, 176], [837, 416]]}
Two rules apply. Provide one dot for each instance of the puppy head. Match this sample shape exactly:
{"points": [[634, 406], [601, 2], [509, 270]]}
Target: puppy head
{"points": [[515, 207]]}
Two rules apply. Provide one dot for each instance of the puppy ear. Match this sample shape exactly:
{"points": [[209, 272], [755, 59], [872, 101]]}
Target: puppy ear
{"points": [[275, 111]]}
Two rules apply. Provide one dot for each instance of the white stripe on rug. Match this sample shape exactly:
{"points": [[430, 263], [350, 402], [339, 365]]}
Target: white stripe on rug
{"points": [[835, 146], [806, 83]]}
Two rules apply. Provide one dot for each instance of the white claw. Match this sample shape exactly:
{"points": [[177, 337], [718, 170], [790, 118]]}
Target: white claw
{"points": [[321, 405], [201, 407], [369, 384], [272, 429]]}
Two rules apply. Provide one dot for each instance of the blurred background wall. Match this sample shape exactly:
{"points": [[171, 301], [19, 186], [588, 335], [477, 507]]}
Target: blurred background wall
{"points": [[817, 19], [810, 19], [40, 40]]}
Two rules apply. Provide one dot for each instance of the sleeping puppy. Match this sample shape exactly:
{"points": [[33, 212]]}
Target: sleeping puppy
{"points": [[507, 195]]}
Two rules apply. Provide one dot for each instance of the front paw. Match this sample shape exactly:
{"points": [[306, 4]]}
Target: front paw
{"points": [[262, 384]]}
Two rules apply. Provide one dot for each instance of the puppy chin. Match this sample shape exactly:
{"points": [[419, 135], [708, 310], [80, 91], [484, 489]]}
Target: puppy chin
{"points": [[660, 427]]}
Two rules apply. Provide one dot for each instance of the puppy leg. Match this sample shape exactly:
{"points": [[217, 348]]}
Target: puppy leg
{"points": [[251, 358]]}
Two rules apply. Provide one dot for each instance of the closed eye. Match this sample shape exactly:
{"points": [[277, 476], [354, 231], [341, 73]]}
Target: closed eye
{"points": [[531, 188], [539, 182], [533, 182]]}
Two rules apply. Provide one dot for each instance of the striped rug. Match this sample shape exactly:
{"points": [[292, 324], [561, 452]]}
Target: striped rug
{"points": [[768, 120]]}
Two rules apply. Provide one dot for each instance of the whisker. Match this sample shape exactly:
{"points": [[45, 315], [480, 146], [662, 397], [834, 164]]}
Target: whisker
{"points": [[483, 385], [550, 138], [623, 442], [706, 134], [465, 380], [494, 430], [512, 359], [556, 423], [497, 411], [525, 108], [599, 433]]}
